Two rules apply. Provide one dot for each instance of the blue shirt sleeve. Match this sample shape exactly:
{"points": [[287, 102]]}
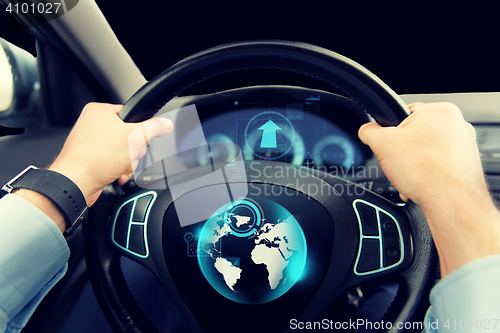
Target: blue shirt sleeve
{"points": [[467, 300], [33, 258]]}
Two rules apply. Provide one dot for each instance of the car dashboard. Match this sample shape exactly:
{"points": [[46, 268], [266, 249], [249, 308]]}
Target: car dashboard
{"points": [[302, 127]]}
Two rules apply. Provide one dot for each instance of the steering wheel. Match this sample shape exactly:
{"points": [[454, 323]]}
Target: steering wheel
{"points": [[359, 236]]}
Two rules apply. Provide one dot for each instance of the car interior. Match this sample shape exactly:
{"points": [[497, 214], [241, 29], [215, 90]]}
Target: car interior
{"points": [[268, 169]]}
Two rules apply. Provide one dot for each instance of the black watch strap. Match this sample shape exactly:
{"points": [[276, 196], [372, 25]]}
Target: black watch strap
{"points": [[56, 187]]}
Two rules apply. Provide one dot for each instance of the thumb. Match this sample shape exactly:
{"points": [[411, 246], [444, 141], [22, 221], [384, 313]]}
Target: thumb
{"points": [[156, 126], [369, 132], [145, 132]]}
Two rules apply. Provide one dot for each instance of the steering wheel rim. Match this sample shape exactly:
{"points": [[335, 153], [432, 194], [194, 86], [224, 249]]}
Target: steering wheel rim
{"points": [[354, 80], [359, 84]]}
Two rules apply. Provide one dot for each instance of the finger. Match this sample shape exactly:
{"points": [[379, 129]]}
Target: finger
{"points": [[134, 165], [127, 175], [125, 178], [368, 132], [142, 153], [414, 106], [405, 199], [116, 108], [145, 132], [156, 127]]}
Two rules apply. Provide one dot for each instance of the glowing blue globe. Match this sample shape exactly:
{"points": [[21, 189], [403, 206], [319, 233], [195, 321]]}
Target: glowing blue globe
{"points": [[252, 252]]}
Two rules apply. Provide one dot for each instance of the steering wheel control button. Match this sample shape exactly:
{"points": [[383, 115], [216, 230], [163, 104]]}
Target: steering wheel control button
{"points": [[369, 259], [122, 224], [391, 240], [391, 253], [368, 217], [130, 224], [378, 187], [388, 226], [386, 243], [140, 208], [136, 239]]}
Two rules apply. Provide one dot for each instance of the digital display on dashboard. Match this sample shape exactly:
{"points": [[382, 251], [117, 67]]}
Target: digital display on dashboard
{"points": [[294, 133]]}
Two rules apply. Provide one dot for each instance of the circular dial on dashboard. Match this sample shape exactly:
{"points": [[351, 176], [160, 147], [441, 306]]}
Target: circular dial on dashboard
{"points": [[334, 150]]}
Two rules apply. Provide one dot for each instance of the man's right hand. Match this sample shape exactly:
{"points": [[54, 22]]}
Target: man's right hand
{"points": [[432, 158]]}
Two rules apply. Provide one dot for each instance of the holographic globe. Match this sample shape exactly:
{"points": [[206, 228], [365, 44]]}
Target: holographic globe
{"points": [[252, 251]]}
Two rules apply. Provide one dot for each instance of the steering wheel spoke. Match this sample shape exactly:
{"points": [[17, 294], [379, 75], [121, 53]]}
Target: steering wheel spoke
{"points": [[385, 236], [379, 230]]}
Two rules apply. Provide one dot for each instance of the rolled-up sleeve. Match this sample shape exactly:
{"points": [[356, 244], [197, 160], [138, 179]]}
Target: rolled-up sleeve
{"points": [[467, 300], [33, 258]]}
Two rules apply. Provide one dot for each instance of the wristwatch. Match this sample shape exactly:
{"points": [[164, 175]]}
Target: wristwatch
{"points": [[58, 188]]}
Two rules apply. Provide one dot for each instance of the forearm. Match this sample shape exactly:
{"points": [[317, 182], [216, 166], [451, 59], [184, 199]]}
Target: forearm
{"points": [[465, 228]]}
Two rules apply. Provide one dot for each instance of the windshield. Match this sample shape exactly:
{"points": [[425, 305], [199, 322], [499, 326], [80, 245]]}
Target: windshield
{"points": [[412, 53], [430, 52]]}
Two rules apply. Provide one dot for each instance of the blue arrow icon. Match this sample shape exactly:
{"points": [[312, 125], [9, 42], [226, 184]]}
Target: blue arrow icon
{"points": [[269, 134]]}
